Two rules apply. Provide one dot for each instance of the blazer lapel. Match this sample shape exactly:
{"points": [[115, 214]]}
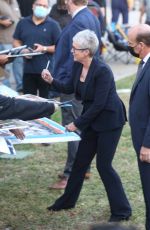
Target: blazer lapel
{"points": [[140, 77], [77, 75]]}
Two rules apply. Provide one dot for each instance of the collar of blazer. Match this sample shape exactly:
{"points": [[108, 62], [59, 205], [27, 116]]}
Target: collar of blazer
{"points": [[140, 77]]}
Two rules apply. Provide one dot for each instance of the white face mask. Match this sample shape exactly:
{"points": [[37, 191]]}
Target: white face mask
{"points": [[41, 12]]}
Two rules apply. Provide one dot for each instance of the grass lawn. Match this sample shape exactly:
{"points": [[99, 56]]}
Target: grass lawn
{"points": [[24, 193]]}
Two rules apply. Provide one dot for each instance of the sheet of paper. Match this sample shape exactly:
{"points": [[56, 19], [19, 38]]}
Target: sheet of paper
{"points": [[3, 146], [42, 130], [24, 54]]}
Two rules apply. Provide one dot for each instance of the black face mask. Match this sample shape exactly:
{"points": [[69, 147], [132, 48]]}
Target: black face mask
{"points": [[132, 52]]}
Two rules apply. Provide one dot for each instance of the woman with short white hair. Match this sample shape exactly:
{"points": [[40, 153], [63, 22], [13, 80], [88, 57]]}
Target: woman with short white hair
{"points": [[101, 124]]}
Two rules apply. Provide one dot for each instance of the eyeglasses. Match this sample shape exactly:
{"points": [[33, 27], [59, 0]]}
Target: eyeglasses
{"points": [[80, 49]]}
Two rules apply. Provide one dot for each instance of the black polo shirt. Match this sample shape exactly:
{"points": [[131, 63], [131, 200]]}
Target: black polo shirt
{"points": [[46, 34]]}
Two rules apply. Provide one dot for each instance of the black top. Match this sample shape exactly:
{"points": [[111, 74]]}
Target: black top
{"points": [[80, 88], [61, 16], [25, 7]]}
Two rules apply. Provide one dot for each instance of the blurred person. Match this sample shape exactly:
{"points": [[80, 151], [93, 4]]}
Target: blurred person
{"points": [[60, 13], [139, 107], [25, 7], [145, 9], [102, 14], [101, 122], [120, 7], [97, 10], [9, 16], [82, 18], [40, 33], [25, 10], [102, 4]]}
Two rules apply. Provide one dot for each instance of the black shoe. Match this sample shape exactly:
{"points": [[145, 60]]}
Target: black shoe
{"points": [[56, 209], [118, 218]]}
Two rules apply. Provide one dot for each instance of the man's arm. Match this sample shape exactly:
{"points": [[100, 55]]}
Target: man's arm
{"points": [[44, 49], [12, 108], [3, 59], [17, 43]]}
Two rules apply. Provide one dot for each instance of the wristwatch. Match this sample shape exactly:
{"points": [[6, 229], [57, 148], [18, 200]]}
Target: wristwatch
{"points": [[45, 49]]}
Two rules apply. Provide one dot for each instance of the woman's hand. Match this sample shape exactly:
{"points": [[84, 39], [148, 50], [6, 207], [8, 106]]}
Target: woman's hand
{"points": [[46, 75], [18, 133], [145, 154], [71, 127]]}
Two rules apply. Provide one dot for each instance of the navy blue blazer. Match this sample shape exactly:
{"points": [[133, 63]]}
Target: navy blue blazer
{"points": [[139, 110], [102, 108], [24, 109], [63, 58]]}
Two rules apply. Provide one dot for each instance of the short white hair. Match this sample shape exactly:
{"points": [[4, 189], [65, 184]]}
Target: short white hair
{"points": [[87, 39]]}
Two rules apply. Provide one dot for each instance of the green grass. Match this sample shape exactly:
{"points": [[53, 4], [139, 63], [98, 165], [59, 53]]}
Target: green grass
{"points": [[24, 193], [125, 83]]}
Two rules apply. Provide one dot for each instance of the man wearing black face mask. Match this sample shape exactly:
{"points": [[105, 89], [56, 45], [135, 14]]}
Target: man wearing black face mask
{"points": [[132, 52], [139, 109]]}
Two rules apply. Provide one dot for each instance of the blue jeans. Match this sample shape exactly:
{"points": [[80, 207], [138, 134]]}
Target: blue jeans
{"points": [[18, 72], [14, 69], [8, 67]]}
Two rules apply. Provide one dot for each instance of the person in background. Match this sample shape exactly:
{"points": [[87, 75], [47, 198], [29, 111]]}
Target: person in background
{"points": [[25, 10], [101, 4], [25, 7], [59, 12], [82, 18], [139, 107], [41, 36], [145, 9], [9, 16], [101, 122], [120, 7]]}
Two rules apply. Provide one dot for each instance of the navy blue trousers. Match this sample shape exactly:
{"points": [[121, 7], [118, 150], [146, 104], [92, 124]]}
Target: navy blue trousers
{"points": [[144, 169], [103, 145]]}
